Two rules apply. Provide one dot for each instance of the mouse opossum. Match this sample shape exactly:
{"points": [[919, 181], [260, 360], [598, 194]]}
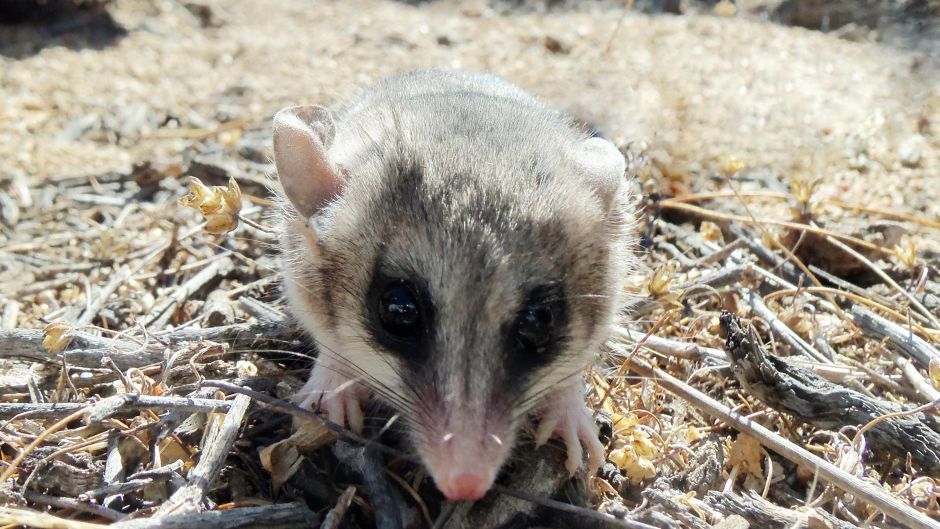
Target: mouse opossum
{"points": [[457, 250]]}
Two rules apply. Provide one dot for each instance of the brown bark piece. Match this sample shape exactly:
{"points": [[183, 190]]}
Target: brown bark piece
{"points": [[814, 400]]}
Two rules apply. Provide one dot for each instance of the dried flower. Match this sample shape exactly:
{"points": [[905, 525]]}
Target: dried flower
{"points": [[906, 252], [732, 165], [219, 205], [803, 188], [710, 231], [635, 450], [662, 278], [58, 336], [725, 8]]}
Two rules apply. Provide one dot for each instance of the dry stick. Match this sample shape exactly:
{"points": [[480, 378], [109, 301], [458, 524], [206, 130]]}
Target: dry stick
{"points": [[875, 326], [853, 288], [884, 213], [806, 397], [915, 378], [626, 9], [336, 514], [411, 491], [114, 489], [447, 511], [293, 410], [857, 440], [296, 411], [665, 346], [887, 279], [164, 310], [609, 519], [218, 441], [260, 310], [11, 310], [669, 204], [109, 406], [75, 505], [721, 278], [786, 196], [40, 438], [275, 516], [88, 350], [639, 343], [91, 311], [853, 297], [38, 520], [793, 258], [791, 337], [873, 495]]}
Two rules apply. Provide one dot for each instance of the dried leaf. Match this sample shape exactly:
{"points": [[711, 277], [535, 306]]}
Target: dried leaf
{"points": [[283, 458], [58, 336], [746, 454], [246, 369], [171, 451]]}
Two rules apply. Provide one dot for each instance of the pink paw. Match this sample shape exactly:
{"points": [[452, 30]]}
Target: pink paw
{"points": [[335, 395], [569, 418]]}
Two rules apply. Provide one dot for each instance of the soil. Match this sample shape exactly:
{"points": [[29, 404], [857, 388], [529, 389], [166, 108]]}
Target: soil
{"points": [[107, 106]]}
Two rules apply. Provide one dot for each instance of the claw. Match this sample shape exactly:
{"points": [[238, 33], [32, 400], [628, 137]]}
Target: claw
{"points": [[546, 428], [568, 417], [338, 397]]}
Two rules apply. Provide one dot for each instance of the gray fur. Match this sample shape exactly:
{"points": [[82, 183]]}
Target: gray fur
{"points": [[466, 182]]}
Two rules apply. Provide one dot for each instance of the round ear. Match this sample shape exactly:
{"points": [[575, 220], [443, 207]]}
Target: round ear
{"points": [[302, 136], [601, 165]]}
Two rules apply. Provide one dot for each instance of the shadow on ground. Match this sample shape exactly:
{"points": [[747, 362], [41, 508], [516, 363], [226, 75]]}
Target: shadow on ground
{"points": [[26, 26]]}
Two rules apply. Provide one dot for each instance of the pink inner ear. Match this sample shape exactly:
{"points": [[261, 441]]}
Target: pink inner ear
{"points": [[302, 136], [602, 165]]}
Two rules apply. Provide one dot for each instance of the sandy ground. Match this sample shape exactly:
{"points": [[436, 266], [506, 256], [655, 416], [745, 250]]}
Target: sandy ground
{"points": [[698, 101], [695, 91]]}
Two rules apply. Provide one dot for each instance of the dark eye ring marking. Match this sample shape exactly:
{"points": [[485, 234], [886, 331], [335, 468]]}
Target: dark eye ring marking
{"points": [[535, 331], [400, 316]]}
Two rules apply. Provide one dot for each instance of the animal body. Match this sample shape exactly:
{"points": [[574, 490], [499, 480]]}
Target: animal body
{"points": [[457, 250]]}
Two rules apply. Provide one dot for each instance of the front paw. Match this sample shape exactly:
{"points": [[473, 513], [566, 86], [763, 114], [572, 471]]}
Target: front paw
{"points": [[335, 395], [569, 418]]}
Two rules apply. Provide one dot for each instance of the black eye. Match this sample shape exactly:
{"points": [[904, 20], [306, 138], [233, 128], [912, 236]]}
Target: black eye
{"points": [[398, 310], [535, 328]]}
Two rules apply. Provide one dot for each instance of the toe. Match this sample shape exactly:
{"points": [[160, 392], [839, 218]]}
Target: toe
{"points": [[573, 446], [335, 409], [354, 414], [595, 450], [545, 430]]}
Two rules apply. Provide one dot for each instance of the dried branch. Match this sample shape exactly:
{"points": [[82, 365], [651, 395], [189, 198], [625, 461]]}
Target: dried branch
{"points": [[763, 311], [336, 514], [219, 439], [864, 491], [105, 408], [810, 398], [903, 340]]}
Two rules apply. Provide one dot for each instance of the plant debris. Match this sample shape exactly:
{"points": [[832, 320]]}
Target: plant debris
{"points": [[779, 366]]}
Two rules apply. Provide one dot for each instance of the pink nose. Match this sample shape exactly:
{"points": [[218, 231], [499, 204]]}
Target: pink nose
{"points": [[465, 486]]}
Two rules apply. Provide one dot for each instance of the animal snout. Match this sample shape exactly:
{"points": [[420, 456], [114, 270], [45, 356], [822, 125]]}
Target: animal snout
{"points": [[463, 465], [465, 486]]}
